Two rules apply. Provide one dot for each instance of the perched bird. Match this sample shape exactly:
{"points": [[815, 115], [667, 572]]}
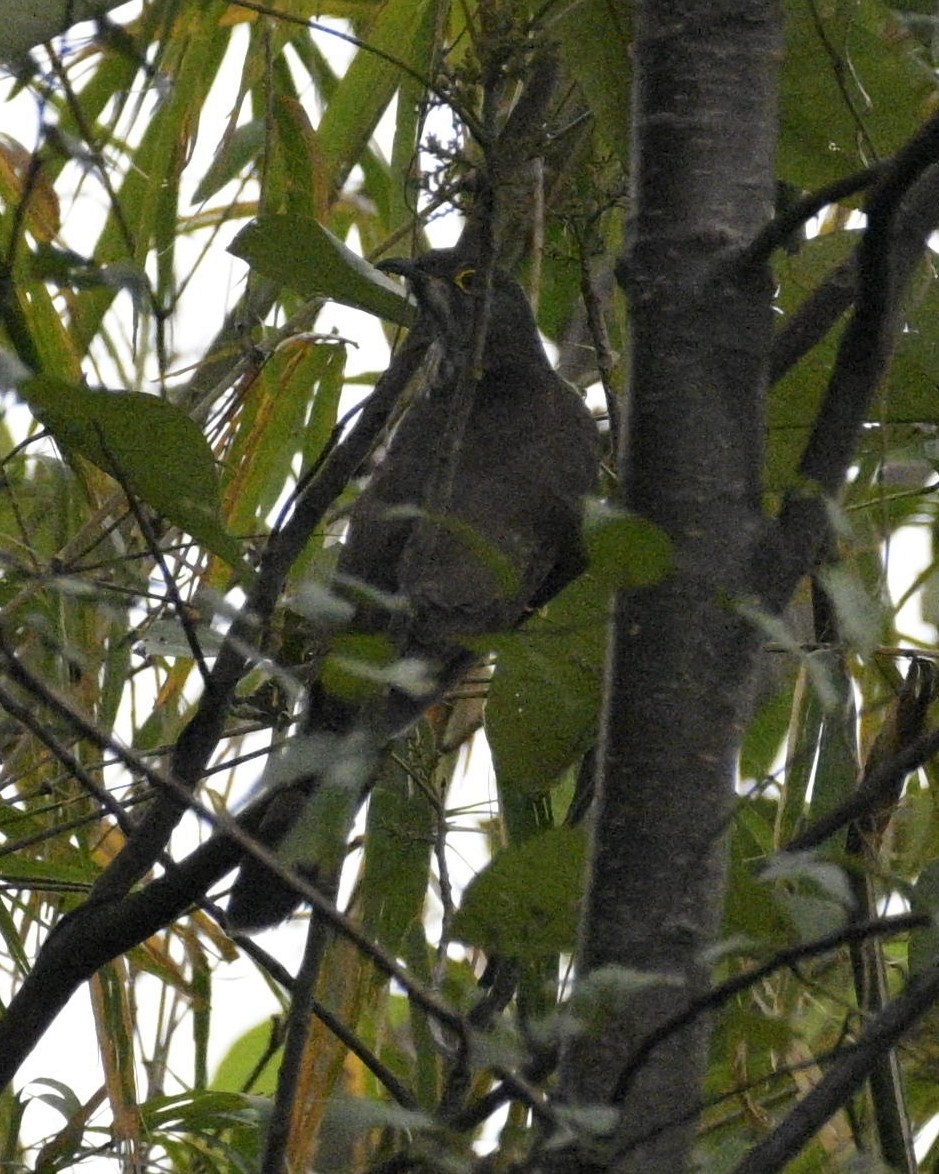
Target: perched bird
{"points": [[471, 521]]}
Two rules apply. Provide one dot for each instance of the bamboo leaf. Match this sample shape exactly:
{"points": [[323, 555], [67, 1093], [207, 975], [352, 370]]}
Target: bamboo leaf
{"points": [[147, 444], [301, 254], [526, 903]]}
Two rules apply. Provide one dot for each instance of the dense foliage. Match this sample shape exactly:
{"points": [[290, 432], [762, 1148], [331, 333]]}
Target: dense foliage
{"points": [[197, 186]]}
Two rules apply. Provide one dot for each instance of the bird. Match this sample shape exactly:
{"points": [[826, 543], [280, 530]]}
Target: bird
{"points": [[471, 522]]}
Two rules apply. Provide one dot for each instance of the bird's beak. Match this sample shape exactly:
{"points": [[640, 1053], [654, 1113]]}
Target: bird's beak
{"points": [[430, 292], [402, 266], [419, 283]]}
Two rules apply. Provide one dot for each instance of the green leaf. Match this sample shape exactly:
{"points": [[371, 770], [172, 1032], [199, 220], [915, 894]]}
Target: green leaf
{"points": [[817, 896], [854, 86], [911, 391], [398, 841], [275, 424], [767, 731], [908, 393], [596, 42], [525, 903], [241, 1061], [542, 708], [144, 212], [541, 713], [395, 35], [295, 178], [235, 152], [62, 1098], [805, 726], [602, 996], [301, 254], [837, 766], [624, 550], [751, 909], [794, 400], [320, 828], [152, 448], [807, 866], [357, 1115], [200, 1109], [860, 622], [73, 871]]}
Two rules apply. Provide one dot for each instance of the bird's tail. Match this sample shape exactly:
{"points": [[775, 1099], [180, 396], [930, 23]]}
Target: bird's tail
{"points": [[320, 782]]}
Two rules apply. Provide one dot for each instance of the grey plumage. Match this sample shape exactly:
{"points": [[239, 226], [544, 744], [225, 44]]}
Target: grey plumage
{"points": [[471, 544]]}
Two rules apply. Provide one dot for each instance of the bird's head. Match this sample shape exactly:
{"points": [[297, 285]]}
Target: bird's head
{"points": [[448, 287]]}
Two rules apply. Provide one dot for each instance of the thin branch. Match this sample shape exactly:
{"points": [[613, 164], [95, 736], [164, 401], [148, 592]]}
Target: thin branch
{"points": [[382, 1073], [56, 832], [277, 1144], [810, 1064], [880, 781], [813, 319], [818, 313], [606, 364], [861, 361], [153, 545], [103, 927], [842, 68], [14, 668], [99, 930], [864, 352], [845, 1077], [720, 995], [777, 233]]}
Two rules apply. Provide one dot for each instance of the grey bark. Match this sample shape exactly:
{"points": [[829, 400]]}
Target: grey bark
{"points": [[681, 660]]}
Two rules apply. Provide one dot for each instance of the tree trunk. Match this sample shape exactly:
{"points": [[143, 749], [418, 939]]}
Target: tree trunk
{"points": [[681, 659]]}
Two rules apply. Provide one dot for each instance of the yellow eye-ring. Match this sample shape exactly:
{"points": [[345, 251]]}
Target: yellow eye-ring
{"points": [[465, 278]]}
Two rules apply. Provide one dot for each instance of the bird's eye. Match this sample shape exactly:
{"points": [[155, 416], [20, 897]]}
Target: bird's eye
{"points": [[465, 279]]}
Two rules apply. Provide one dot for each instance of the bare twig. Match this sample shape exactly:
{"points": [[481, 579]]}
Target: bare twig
{"points": [[862, 358], [781, 227], [845, 1076], [277, 1143], [720, 995]]}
